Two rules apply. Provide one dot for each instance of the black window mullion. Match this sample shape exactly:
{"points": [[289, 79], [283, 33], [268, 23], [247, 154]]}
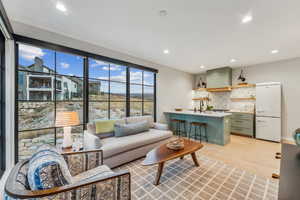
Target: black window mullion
{"points": [[143, 93], [154, 98], [127, 91], [54, 93], [85, 92], [16, 102], [108, 92]]}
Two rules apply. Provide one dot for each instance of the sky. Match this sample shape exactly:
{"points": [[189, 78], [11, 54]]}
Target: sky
{"points": [[68, 64]]}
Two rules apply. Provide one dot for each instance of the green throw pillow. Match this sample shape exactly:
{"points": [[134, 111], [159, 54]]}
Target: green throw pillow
{"points": [[104, 126]]}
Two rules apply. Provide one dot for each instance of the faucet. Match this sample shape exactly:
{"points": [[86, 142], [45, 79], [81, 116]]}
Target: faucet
{"points": [[201, 105]]}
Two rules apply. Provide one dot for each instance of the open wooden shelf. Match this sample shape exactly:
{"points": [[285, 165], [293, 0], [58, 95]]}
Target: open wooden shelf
{"points": [[243, 86], [243, 99], [201, 98], [225, 89]]}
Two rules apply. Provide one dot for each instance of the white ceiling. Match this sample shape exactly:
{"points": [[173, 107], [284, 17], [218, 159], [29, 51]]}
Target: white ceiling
{"points": [[196, 32]]}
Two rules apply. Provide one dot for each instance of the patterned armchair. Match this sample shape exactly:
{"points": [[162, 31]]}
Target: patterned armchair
{"points": [[110, 186]]}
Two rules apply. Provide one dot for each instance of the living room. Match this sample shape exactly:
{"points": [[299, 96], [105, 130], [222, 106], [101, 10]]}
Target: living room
{"points": [[149, 100]]}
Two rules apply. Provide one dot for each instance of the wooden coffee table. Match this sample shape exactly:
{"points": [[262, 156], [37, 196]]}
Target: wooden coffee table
{"points": [[161, 154]]}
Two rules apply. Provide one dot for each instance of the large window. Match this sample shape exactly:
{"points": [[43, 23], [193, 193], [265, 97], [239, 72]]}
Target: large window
{"points": [[51, 81], [141, 92], [2, 104]]}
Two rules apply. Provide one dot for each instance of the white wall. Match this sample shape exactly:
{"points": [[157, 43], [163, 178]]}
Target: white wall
{"points": [[174, 87], [288, 73]]}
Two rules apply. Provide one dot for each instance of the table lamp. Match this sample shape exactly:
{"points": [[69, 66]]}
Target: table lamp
{"points": [[66, 120]]}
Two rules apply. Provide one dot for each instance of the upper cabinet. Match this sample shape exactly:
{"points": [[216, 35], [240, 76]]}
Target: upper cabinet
{"points": [[219, 78]]}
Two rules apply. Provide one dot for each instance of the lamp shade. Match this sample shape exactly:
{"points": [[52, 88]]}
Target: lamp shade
{"points": [[66, 119]]}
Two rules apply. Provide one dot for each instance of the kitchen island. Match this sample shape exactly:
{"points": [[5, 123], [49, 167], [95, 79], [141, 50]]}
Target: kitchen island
{"points": [[218, 123]]}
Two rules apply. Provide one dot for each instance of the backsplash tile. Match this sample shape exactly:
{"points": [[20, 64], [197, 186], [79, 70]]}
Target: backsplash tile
{"points": [[222, 100]]}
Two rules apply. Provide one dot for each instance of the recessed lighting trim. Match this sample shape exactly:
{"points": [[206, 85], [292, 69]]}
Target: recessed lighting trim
{"points": [[233, 60], [274, 51], [166, 51], [61, 7], [202, 66], [246, 19]]}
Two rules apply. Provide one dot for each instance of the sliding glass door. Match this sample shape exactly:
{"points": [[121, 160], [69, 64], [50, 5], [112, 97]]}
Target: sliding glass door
{"points": [[2, 104]]}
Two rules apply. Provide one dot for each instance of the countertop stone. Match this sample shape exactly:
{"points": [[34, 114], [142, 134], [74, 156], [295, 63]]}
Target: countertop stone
{"points": [[205, 114]]}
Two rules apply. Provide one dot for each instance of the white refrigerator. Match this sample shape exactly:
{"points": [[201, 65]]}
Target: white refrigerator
{"points": [[268, 111]]}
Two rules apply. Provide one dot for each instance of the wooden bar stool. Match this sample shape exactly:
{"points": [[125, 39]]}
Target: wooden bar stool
{"points": [[179, 124], [198, 134]]}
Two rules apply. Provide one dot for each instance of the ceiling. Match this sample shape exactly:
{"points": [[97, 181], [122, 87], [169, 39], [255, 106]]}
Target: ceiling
{"points": [[196, 32]]}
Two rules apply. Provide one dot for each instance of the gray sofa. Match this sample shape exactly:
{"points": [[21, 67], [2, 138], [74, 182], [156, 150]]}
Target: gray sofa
{"points": [[120, 150]]}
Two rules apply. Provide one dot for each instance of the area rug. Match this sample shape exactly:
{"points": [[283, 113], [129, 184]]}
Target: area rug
{"points": [[213, 179]]}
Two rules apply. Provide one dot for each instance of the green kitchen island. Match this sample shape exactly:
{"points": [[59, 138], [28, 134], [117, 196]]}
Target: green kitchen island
{"points": [[218, 124]]}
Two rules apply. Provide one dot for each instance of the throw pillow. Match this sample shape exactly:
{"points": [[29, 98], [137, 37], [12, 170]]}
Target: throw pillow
{"points": [[47, 169], [91, 141], [105, 128], [131, 129]]}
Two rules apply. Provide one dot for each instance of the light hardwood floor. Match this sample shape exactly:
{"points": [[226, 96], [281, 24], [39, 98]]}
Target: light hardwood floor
{"points": [[255, 156]]}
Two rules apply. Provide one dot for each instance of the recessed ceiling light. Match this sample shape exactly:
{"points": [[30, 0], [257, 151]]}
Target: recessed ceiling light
{"points": [[246, 19], [163, 13], [202, 66], [233, 60], [274, 51], [166, 51], [61, 7]]}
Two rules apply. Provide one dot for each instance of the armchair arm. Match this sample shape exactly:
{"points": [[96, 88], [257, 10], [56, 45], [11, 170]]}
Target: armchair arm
{"points": [[113, 186], [84, 160], [161, 126]]}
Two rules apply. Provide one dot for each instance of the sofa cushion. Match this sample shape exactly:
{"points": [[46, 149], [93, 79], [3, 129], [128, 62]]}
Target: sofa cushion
{"points": [[94, 173], [114, 145], [47, 169], [148, 118], [122, 130]]}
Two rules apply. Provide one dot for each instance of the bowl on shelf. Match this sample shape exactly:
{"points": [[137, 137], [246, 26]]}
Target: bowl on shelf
{"points": [[178, 109]]}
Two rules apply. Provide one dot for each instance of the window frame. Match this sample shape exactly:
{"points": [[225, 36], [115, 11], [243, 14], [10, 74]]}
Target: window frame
{"points": [[86, 57]]}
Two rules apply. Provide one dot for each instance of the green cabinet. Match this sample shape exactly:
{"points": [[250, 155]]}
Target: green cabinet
{"points": [[242, 123], [219, 78]]}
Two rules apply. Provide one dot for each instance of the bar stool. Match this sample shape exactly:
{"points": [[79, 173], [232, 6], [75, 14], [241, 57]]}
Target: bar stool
{"points": [[179, 123], [198, 134]]}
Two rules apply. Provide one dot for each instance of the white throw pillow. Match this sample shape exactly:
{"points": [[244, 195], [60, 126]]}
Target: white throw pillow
{"points": [[91, 141]]}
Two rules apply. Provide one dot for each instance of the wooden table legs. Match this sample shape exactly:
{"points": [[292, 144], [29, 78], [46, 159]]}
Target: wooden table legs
{"points": [[195, 159], [161, 167], [159, 172]]}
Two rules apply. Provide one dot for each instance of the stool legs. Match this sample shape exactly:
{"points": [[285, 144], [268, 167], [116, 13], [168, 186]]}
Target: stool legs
{"points": [[206, 134], [198, 129]]}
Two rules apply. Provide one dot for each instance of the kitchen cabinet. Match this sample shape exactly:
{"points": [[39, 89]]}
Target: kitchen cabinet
{"points": [[219, 78], [242, 123]]}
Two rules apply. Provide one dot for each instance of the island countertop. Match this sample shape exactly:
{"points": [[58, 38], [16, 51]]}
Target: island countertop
{"points": [[205, 114]]}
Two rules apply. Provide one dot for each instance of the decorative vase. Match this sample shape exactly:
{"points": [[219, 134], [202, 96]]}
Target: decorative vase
{"points": [[297, 137]]}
